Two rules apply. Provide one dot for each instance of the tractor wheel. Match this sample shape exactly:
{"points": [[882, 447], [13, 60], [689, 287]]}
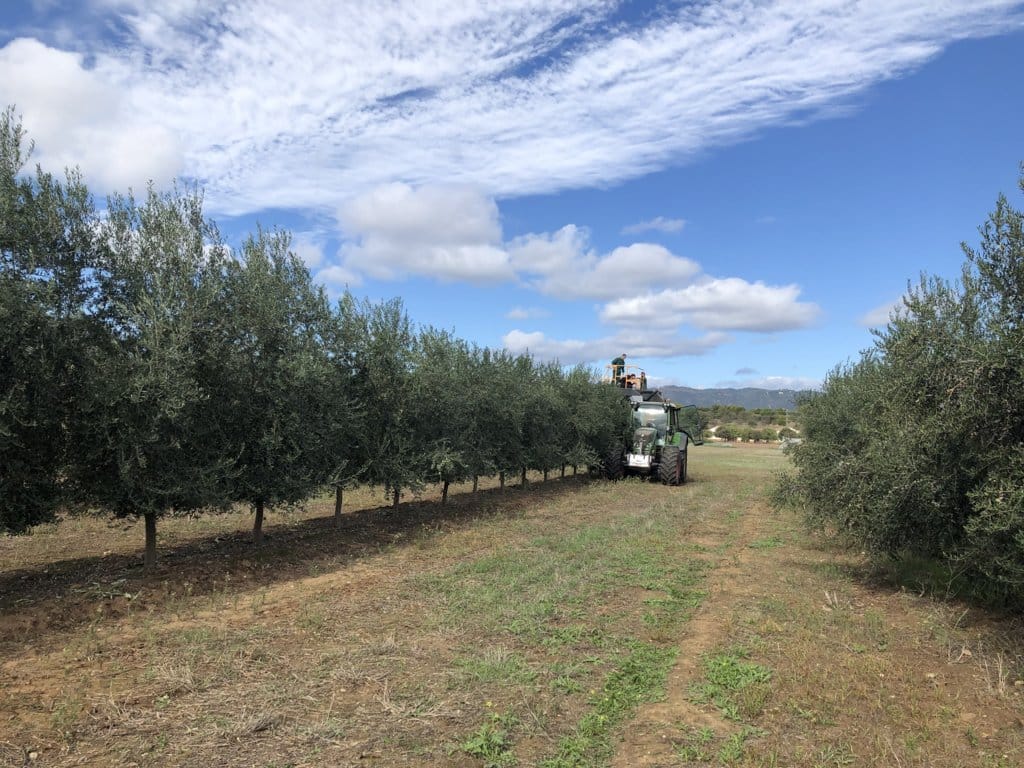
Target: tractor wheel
{"points": [[612, 465], [669, 467]]}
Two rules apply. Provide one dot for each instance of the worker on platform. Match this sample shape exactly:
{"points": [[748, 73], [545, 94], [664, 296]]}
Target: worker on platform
{"points": [[619, 369]]}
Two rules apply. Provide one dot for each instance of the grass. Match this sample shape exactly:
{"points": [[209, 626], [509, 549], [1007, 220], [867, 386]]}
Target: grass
{"points": [[738, 688], [561, 625], [637, 678], [491, 741]]}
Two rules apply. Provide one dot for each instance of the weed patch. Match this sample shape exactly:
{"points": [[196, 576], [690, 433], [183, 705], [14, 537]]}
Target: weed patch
{"points": [[737, 687], [640, 677]]}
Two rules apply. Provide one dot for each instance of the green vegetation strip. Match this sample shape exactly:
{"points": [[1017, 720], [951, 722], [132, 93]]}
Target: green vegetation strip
{"points": [[584, 619], [737, 687], [639, 678]]}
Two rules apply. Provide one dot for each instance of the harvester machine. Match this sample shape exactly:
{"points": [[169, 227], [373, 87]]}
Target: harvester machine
{"points": [[661, 432]]}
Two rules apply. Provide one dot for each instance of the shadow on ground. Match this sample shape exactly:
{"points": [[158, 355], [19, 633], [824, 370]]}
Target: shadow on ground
{"points": [[64, 593]]}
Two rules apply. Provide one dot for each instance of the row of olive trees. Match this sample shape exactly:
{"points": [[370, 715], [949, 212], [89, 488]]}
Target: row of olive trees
{"points": [[918, 447], [754, 434], [148, 369]]}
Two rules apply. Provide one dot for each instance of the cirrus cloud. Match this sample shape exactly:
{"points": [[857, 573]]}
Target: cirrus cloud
{"points": [[271, 104]]}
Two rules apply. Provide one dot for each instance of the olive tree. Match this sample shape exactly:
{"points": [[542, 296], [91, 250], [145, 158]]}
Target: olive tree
{"points": [[147, 443], [274, 386], [48, 328]]}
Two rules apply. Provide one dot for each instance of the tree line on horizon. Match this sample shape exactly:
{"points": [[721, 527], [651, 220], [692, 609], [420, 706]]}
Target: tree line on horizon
{"points": [[149, 369], [916, 449]]}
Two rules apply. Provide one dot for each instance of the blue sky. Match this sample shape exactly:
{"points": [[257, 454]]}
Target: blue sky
{"points": [[730, 192]]}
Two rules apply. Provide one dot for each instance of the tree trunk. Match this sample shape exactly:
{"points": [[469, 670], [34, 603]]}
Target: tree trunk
{"points": [[563, 471], [257, 526], [338, 494], [522, 477], [574, 468], [501, 480], [149, 557], [397, 497], [545, 475], [444, 493], [476, 482]]}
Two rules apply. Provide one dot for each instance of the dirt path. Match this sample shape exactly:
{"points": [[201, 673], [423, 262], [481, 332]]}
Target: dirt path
{"points": [[737, 576], [866, 671]]}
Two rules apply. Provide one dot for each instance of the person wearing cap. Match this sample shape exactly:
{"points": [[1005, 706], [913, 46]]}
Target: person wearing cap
{"points": [[619, 369]]}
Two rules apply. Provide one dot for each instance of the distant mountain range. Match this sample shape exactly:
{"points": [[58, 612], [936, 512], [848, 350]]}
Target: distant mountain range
{"points": [[748, 397]]}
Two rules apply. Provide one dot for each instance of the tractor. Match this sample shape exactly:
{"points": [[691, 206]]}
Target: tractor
{"points": [[660, 433]]}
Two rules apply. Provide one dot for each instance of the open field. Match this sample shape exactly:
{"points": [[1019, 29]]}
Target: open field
{"points": [[571, 623]]}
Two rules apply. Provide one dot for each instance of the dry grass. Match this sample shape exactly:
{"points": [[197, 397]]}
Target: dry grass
{"points": [[506, 624]]}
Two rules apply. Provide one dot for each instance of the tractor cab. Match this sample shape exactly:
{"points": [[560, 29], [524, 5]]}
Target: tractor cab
{"points": [[661, 432]]}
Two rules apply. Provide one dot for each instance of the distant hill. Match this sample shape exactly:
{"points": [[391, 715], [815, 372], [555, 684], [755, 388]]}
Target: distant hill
{"points": [[748, 397]]}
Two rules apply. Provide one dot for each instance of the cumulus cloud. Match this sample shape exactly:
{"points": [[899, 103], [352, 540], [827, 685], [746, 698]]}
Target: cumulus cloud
{"points": [[337, 278], [454, 233], [79, 117], [562, 265], [879, 316], [657, 224], [626, 270], [284, 104], [451, 233], [308, 247], [729, 303], [599, 351]]}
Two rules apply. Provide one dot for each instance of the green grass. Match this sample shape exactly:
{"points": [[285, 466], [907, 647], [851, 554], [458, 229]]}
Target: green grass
{"points": [[639, 677], [588, 612], [491, 742], [737, 687]]}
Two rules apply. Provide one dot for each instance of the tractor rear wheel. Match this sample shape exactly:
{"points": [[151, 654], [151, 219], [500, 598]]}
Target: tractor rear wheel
{"points": [[669, 467], [612, 465]]}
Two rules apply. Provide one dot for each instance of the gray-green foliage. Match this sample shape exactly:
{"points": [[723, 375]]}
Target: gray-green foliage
{"points": [[383, 383], [272, 381], [47, 331], [150, 438], [916, 447], [147, 369]]}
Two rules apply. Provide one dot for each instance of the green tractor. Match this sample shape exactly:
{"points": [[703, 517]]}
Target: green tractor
{"points": [[656, 447]]}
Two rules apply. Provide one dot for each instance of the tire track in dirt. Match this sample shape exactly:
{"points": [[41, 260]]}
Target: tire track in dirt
{"points": [[735, 575]]}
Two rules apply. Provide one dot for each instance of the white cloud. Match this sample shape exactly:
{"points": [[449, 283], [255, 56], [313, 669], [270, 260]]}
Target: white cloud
{"points": [[526, 313], [82, 117], [451, 233], [600, 351], [454, 233], [336, 277], [282, 104], [773, 382], [309, 248], [625, 271], [657, 224], [717, 304], [880, 315]]}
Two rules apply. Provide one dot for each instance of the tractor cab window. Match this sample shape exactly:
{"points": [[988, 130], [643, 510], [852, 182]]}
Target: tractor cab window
{"points": [[651, 417]]}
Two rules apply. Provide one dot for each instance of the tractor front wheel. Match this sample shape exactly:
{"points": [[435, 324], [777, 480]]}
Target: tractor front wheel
{"points": [[671, 469], [612, 465]]}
